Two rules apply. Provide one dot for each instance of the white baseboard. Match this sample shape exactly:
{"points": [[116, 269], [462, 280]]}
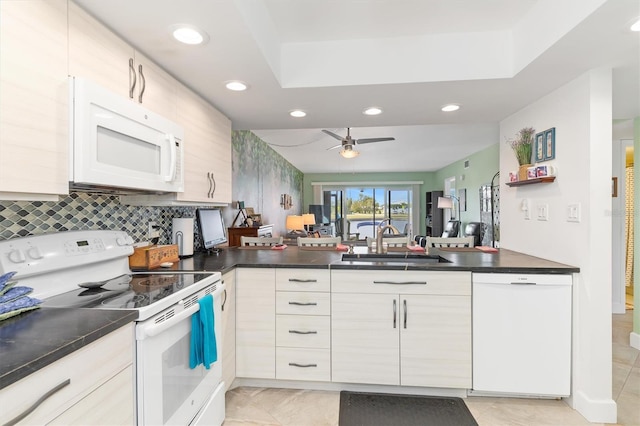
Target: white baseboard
{"points": [[634, 340], [595, 411]]}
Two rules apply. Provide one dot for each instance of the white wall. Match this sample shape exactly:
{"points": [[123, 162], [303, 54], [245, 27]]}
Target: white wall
{"points": [[581, 113]]}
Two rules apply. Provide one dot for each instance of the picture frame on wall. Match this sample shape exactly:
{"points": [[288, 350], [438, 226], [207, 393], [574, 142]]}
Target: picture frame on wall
{"points": [[462, 199], [549, 144], [538, 153]]}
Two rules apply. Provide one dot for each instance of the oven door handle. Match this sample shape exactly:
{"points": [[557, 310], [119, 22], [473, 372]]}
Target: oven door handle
{"points": [[152, 329]]}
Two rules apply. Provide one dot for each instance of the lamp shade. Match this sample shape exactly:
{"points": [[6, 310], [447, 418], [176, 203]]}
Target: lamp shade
{"points": [[445, 203], [295, 223], [309, 219]]}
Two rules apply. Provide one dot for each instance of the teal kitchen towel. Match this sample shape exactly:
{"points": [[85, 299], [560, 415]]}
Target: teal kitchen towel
{"points": [[203, 348]]}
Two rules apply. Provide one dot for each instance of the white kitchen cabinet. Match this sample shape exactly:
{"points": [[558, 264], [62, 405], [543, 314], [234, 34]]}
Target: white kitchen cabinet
{"points": [[99, 55], [303, 324], [229, 330], [409, 328], [34, 129], [255, 323], [99, 389]]}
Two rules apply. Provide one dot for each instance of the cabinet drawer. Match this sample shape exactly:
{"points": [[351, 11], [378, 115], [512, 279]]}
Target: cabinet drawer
{"points": [[401, 282], [303, 279], [303, 303], [86, 369], [298, 331], [303, 364]]}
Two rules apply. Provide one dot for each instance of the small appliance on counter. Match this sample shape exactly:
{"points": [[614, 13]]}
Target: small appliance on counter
{"points": [[182, 235]]}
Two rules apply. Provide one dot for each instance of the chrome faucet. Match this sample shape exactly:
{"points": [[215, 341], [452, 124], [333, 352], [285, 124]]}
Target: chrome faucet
{"points": [[381, 229]]}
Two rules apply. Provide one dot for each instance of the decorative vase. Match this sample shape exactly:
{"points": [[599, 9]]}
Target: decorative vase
{"points": [[522, 171]]}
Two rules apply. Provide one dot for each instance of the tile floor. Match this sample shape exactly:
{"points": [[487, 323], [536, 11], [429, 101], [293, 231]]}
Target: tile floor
{"points": [[290, 407]]}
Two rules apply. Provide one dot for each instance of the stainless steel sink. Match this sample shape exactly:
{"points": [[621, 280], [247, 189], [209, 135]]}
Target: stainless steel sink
{"points": [[394, 257]]}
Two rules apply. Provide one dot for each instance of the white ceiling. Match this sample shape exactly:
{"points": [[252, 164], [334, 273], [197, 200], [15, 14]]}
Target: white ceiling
{"points": [[333, 58]]}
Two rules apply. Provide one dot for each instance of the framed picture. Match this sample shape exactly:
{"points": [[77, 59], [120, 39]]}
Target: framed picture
{"points": [[550, 144], [538, 153], [250, 211]]}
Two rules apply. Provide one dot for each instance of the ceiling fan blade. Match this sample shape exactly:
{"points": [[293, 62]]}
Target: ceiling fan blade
{"points": [[333, 135], [370, 140], [334, 147]]}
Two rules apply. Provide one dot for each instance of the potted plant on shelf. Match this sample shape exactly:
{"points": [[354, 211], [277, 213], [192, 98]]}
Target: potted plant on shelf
{"points": [[522, 146]]}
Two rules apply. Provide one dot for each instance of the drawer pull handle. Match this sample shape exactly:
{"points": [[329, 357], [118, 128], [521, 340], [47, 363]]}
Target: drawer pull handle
{"points": [[36, 404], [401, 282], [394, 313], [523, 283], [299, 280], [295, 364], [302, 332], [304, 303]]}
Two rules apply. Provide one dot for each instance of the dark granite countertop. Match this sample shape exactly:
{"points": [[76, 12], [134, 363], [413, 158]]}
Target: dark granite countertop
{"points": [[35, 339], [504, 261]]}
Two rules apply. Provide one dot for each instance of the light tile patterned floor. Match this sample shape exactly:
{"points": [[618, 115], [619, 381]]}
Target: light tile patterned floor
{"points": [[289, 407]]}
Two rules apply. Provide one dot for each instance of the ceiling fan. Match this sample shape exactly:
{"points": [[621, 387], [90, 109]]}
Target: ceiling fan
{"points": [[347, 143]]}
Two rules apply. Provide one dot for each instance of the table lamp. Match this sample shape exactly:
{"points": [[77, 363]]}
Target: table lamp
{"points": [[308, 219], [446, 202], [295, 225]]}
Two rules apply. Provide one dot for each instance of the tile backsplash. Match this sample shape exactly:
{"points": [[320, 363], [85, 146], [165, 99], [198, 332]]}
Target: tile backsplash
{"points": [[82, 211]]}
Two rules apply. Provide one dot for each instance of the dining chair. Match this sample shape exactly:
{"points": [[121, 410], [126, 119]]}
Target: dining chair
{"points": [[260, 241], [319, 242], [449, 242]]}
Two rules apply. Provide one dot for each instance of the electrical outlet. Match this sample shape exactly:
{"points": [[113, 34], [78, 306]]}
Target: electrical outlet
{"points": [[153, 230], [542, 211]]}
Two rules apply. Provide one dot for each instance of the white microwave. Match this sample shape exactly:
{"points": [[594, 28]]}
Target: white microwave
{"points": [[120, 147]]}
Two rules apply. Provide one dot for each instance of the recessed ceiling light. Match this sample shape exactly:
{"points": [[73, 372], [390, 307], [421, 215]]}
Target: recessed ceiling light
{"points": [[450, 107], [635, 26], [188, 34], [297, 113], [236, 85], [372, 111]]}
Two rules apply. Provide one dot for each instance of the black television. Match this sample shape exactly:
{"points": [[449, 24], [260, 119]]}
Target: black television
{"points": [[212, 229]]}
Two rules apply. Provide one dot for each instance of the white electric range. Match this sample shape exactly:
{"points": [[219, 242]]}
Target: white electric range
{"points": [[90, 270]]}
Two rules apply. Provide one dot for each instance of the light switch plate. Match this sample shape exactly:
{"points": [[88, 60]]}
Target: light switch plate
{"points": [[542, 211], [573, 212]]}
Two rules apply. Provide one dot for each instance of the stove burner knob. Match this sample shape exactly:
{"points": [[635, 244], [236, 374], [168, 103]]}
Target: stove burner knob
{"points": [[17, 256], [34, 253], [128, 239], [121, 241]]}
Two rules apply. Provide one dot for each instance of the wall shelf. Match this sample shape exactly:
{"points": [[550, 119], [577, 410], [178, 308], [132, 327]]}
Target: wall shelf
{"points": [[545, 179]]}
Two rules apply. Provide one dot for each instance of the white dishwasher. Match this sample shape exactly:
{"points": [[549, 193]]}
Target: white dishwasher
{"points": [[522, 334]]}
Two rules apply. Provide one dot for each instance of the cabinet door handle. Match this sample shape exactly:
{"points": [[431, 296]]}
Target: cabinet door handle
{"points": [[394, 313], [300, 280], [304, 303], [213, 179], [210, 185], [404, 302], [295, 364], [303, 332], [36, 404], [143, 83], [224, 302], [132, 78], [401, 282], [522, 283]]}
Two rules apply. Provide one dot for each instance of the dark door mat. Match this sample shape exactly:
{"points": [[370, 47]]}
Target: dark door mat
{"points": [[378, 409]]}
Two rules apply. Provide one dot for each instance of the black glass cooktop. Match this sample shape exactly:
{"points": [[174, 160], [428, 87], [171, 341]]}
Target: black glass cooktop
{"points": [[135, 291]]}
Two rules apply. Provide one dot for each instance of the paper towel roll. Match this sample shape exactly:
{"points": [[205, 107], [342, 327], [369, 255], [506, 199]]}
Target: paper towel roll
{"points": [[182, 235]]}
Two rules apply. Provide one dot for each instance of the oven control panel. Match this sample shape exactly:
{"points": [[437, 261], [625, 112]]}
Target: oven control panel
{"points": [[50, 252]]}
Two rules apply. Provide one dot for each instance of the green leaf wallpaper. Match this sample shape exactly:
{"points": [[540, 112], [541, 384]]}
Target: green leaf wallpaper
{"points": [[260, 176]]}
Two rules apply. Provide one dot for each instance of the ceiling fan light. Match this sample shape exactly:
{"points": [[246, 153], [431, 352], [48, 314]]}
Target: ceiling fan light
{"points": [[635, 26], [372, 111], [297, 113], [349, 152], [450, 107]]}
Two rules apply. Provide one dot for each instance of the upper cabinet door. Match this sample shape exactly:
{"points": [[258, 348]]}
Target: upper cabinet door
{"points": [[99, 55], [207, 142], [34, 130]]}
